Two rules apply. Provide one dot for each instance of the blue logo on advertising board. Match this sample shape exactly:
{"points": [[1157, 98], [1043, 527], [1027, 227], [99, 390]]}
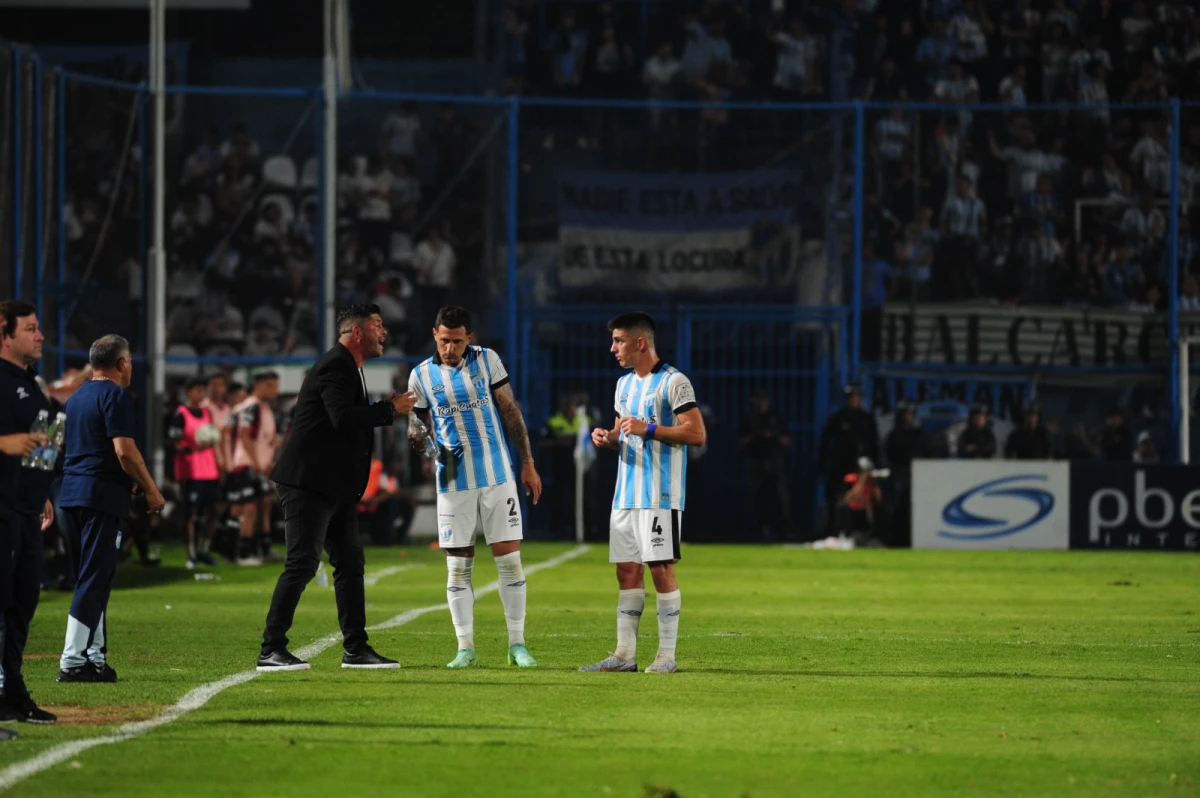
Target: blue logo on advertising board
{"points": [[971, 525]]}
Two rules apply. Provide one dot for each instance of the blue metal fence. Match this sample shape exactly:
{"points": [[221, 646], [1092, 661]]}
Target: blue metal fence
{"points": [[798, 354]]}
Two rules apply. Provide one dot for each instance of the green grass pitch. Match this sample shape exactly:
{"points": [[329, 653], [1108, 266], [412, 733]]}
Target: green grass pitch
{"points": [[801, 673]]}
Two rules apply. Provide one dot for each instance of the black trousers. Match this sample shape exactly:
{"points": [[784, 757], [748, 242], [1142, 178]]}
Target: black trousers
{"points": [[24, 582], [312, 521], [768, 492]]}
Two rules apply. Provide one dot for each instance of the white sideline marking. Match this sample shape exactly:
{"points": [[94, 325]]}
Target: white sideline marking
{"points": [[373, 579], [197, 698]]}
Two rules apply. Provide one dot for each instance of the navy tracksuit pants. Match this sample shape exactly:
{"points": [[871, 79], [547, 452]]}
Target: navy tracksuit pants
{"points": [[94, 540]]}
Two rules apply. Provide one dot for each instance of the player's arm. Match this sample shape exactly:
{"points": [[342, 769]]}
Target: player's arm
{"points": [[688, 432], [514, 424], [608, 438]]}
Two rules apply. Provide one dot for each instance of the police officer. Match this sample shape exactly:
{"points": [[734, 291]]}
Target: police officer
{"points": [[30, 512], [905, 443], [1030, 441], [977, 441], [849, 434]]}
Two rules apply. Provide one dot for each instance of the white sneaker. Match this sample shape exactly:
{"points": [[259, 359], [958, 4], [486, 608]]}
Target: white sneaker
{"points": [[250, 561], [662, 664]]}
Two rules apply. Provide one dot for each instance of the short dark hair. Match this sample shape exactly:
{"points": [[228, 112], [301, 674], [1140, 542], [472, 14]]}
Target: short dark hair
{"points": [[234, 387], [356, 315], [13, 309], [452, 317], [106, 351], [217, 376], [637, 320], [263, 376], [196, 382]]}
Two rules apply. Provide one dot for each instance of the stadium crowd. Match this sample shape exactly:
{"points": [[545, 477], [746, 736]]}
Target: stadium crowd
{"points": [[961, 205]]}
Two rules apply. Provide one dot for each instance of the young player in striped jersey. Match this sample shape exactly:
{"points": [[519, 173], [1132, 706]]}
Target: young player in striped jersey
{"points": [[466, 391], [657, 419]]}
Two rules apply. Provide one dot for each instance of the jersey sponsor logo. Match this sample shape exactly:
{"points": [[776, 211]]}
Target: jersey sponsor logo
{"points": [[461, 407], [22, 393], [666, 497]]}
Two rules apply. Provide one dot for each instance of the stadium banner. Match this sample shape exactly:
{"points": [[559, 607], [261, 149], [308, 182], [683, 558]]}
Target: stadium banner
{"points": [[670, 232], [1131, 506], [968, 334], [990, 504]]}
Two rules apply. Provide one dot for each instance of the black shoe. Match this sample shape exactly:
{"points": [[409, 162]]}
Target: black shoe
{"points": [[31, 712], [84, 673], [103, 672], [367, 659], [7, 734], [280, 660], [8, 710]]}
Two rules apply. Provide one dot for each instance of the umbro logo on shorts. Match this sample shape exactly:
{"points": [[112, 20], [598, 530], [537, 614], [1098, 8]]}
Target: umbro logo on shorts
{"points": [[657, 541]]}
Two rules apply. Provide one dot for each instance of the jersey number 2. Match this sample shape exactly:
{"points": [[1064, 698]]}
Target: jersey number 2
{"points": [[512, 508]]}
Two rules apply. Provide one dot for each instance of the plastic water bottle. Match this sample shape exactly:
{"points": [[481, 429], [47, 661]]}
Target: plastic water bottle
{"points": [[57, 433], [41, 426], [430, 448], [322, 576], [636, 442]]}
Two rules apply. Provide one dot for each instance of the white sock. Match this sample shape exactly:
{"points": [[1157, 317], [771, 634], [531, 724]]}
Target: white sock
{"points": [[630, 604], [668, 623], [512, 595], [75, 647], [460, 594]]}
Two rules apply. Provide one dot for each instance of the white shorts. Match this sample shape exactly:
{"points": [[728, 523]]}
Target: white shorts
{"points": [[497, 507], [644, 536]]}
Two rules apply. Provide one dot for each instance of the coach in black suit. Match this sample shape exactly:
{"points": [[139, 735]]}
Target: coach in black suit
{"points": [[321, 474]]}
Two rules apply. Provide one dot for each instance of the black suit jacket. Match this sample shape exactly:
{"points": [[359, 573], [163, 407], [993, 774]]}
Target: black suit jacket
{"points": [[329, 448]]}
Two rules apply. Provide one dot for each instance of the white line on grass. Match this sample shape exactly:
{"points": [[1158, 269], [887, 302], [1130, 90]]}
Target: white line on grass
{"points": [[373, 579], [197, 698]]}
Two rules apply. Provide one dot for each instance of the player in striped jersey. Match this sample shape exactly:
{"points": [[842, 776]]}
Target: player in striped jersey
{"points": [[466, 391], [657, 419]]}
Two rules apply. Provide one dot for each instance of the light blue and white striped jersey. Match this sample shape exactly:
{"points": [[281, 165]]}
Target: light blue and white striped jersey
{"points": [[653, 476], [466, 423]]}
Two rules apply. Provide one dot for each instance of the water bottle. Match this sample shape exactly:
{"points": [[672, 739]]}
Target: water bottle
{"points": [[430, 449], [40, 426], [57, 433], [636, 442], [322, 576]]}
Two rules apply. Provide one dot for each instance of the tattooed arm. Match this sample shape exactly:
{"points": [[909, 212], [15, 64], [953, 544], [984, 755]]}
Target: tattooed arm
{"points": [[514, 424]]}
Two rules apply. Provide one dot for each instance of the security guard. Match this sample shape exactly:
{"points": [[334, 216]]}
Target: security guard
{"points": [[977, 441], [31, 511], [1030, 441], [905, 443], [849, 434]]}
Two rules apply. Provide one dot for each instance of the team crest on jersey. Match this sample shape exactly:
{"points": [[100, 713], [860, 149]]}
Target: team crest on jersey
{"points": [[481, 383]]}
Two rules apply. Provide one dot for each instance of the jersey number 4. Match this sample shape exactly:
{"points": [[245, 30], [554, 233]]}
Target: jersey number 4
{"points": [[656, 528]]}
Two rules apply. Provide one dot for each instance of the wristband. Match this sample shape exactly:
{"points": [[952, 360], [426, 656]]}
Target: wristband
{"points": [[651, 428]]}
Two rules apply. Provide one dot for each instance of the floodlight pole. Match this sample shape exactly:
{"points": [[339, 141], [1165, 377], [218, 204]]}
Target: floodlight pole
{"points": [[328, 159], [156, 343]]}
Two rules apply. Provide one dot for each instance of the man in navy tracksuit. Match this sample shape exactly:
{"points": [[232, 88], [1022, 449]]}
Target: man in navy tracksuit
{"points": [[102, 466], [30, 513]]}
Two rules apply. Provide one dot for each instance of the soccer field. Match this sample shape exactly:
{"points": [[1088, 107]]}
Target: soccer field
{"points": [[801, 672]]}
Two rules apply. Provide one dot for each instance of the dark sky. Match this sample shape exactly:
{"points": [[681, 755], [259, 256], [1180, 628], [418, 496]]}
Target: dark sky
{"points": [[272, 28]]}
